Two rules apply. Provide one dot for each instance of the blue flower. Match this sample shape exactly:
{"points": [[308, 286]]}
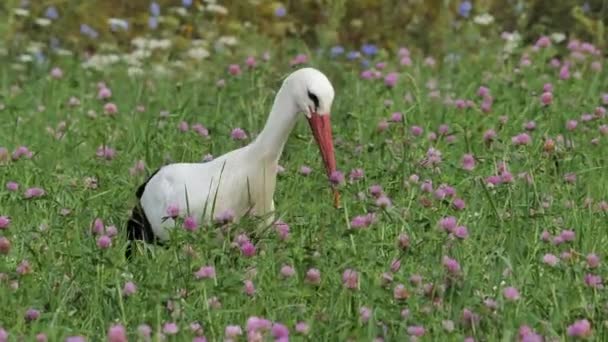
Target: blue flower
{"points": [[353, 55], [586, 7], [280, 12], [365, 63], [51, 13], [119, 24], [337, 50], [155, 9], [88, 31], [369, 49], [465, 8], [152, 23], [186, 3]]}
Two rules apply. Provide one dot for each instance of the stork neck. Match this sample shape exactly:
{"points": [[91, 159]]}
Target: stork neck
{"points": [[281, 121]]}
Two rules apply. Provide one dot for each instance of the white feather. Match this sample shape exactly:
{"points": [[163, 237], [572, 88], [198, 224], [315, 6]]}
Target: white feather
{"points": [[243, 179]]}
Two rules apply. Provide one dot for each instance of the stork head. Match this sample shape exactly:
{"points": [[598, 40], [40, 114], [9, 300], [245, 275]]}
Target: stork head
{"points": [[314, 95]]}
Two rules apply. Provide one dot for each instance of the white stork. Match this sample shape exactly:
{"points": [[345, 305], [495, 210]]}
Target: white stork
{"points": [[244, 179]]}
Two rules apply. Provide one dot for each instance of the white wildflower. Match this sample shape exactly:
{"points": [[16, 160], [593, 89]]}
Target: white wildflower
{"points": [[227, 40], [198, 53], [558, 37], [22, 12], [161, 44], [118, 24], [42, 22], [25, 58], [219, 9], [134, 71], [483, 19]]}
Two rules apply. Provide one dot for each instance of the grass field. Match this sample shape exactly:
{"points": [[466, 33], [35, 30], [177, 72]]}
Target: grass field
{"points": [[479, 210]]}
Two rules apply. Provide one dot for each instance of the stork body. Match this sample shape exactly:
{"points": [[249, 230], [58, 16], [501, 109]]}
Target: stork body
{"points": [[244, 179]]}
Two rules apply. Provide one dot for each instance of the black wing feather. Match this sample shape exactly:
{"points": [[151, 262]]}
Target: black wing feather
{"points": [[138, 226]]}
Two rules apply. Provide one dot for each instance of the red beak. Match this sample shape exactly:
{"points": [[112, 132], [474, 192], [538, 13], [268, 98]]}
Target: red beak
{"points": [[321, 130]]}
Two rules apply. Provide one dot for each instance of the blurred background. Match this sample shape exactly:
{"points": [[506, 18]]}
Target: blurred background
{"points": [[41, 27]]}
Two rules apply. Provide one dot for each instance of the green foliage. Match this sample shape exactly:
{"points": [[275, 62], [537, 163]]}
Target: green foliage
{"points": [[77, 286], [428, 25]]}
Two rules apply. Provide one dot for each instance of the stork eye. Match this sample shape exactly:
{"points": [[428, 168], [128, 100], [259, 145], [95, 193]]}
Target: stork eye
{"points": [[314, 99]]}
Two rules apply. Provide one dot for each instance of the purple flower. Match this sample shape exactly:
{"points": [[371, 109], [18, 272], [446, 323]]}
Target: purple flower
{"points": [[416, 330], [336, 50], [396, 117], [257, 324], [287, 271], [5, 221], [190, 223], [155, 9], [416, 131], [350, 278], [249, 287], [88, 31], [448, 224], [76, 339], [567, 235], [282, 229], [390, 80], [550, 259], [129, 289], [369, 49], [581, 329], [33, 193], [117, 333], [21, 151], [173, 210], [451, 265], [464, 9], [51, 13], [248, 249], [356, 174], [489, 135], [104, 242], [593, 261], [336, 178], [280, 332], [12, 186], [234, 69], [280, 12], [365, 314], [170, 328], [105, 152], [571, 125], [32, 315], [458, 204], [468, 162], [384, 202], [224, 217], [313, 276], [232, 331], [461, 232], [302, 328], [521, 139], [511, 293], [238, 134], [205, 272]]}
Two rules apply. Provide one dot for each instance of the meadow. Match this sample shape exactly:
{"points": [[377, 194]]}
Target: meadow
{"points": [[474, 198]]}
